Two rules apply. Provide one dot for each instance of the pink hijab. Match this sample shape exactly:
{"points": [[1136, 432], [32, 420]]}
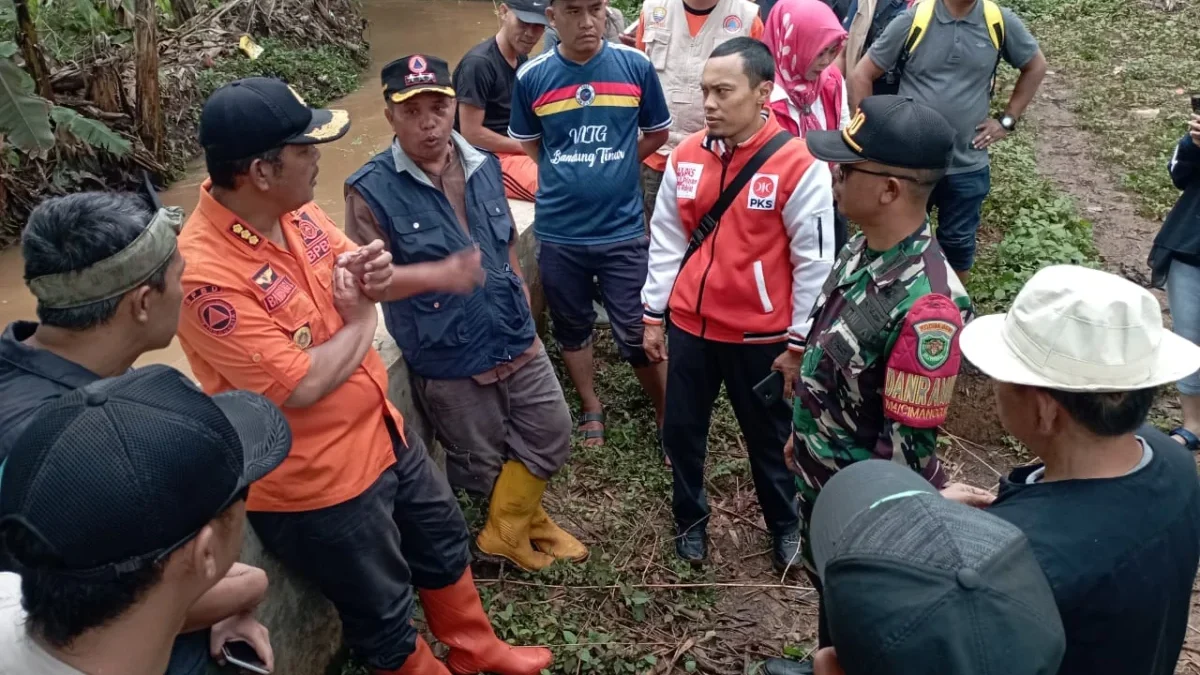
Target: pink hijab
{"points": [[796, 32]]}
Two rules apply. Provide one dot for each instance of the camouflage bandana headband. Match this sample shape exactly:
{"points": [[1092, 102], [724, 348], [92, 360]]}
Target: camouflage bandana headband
{"points": [[116, 275]]}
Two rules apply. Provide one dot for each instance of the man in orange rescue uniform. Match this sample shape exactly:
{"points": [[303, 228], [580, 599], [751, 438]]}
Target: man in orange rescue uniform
{"points": [[279, 302]]}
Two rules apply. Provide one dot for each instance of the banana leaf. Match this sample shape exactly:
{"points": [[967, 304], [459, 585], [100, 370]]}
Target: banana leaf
{"points": [[24, 117], [90, 131]]}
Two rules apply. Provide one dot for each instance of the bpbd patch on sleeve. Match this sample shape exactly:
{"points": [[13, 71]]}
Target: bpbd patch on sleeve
{"points": [[923, 365]]}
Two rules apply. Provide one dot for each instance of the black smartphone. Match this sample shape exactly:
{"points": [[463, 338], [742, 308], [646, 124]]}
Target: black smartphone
{"points": [[1196, 103], [770, 390], [242, 655]]}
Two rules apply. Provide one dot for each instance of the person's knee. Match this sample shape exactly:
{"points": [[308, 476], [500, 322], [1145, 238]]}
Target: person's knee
{"points": [[572, 326], [571, 337], [959, 253]]}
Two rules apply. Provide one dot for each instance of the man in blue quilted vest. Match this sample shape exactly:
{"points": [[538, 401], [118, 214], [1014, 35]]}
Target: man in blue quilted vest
{"points": [[459, 311]]}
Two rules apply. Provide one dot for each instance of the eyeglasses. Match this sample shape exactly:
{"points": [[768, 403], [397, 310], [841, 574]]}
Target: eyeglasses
{"points": [[847, 169]]}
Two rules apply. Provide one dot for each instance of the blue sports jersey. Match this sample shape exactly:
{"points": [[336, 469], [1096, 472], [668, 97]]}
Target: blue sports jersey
{"points": [[587, 117]]}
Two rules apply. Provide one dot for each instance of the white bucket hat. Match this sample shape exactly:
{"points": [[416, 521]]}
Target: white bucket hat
{"points": [[1078, 329]]}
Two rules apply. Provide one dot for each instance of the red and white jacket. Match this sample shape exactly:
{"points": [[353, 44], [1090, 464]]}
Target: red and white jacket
{"points": [[759, 272]]}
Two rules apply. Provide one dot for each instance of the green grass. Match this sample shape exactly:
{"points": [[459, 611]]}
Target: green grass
{"points": [[633, 603], [1118, 56], [1028, 224]]}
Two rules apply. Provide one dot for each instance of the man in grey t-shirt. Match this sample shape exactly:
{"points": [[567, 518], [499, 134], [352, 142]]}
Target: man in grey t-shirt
{"points": [[951, 71]]}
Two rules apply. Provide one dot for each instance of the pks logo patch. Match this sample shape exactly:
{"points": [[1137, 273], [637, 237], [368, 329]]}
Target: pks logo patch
{"points": [[417, 64], [658, 14], [585, 95], [762, 192], [217, 317], [732, 24], [933, 342], [688, 179]]}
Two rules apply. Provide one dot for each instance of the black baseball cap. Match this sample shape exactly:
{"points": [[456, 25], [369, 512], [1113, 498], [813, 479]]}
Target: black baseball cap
{"points": [[916, 583], [891, 130], [250, 116], [410, 75], [117, 475], [529, 11]]}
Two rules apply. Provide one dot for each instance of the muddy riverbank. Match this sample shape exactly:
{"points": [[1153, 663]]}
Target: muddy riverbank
{"points": [[397, 27]]}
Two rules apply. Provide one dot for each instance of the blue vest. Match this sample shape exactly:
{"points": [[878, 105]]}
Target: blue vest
{"points": [[443, 335]]}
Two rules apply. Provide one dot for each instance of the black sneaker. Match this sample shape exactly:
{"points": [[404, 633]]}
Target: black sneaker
{"points": [[786, 667], [785, 551], [692, 546]]}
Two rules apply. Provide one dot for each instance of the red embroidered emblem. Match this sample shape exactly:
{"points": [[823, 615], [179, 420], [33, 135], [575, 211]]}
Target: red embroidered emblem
{"points": [[200, 293], [923, 366], [217, 317], [316, 242]]}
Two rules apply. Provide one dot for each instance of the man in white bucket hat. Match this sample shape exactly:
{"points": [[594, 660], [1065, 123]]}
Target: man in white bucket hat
{"points": [[1113, 508]]}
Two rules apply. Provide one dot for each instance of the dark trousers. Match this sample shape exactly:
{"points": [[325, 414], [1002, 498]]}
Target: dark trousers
{"points": [[367, 554], [695, 371]]}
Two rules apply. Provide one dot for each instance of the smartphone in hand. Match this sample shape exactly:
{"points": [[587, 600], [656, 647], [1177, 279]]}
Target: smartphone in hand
{"points": [[241, 655], [770, 389], [1196, 104]]}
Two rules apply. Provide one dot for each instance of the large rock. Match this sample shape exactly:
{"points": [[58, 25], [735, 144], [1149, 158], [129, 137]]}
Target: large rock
{"points": [[305, 631]]}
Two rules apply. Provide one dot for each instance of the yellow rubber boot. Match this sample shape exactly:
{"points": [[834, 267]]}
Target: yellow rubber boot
{"points": [[548, 537], [515, 499]]}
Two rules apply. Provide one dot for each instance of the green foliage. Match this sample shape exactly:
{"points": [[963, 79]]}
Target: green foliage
{"points": [[629, 8], [24, 116], [69, 29], [1120, 56], [90, 131], [320, 73], [1036, 225]]}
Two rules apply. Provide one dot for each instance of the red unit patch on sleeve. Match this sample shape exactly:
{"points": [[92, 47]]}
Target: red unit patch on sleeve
{"points": [[923, 365]]}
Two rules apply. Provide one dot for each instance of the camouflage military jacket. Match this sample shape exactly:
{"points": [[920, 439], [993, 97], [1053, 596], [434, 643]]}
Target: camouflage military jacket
{"points": [[839, 413]]}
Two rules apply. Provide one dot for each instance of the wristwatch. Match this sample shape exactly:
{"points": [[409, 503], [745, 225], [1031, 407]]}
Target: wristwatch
{"points": [[1007, 121]]}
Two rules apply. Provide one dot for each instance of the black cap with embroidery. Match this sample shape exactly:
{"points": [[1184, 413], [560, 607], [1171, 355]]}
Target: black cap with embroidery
{"points": [[119, 474], [410, 75], [250, 116], [892, 130]]}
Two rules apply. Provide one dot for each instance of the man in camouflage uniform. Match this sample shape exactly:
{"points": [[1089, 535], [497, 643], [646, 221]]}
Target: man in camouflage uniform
{"points": [[882, 354]]}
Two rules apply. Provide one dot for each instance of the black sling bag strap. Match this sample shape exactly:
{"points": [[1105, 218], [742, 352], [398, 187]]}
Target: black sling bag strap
{"points": [[710, 220]]}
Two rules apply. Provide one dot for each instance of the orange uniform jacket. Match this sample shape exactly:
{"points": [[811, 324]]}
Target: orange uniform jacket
{"points": [[757, 275], [251, 310]]}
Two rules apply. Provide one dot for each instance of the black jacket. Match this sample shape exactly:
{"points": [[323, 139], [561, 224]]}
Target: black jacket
{"points": [[1179, 238]]}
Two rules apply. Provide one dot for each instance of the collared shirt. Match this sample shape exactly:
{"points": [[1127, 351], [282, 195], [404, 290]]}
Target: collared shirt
{"points": [[251, 310], [29, 378], [951, 70], [839, 414], [362, 226]]}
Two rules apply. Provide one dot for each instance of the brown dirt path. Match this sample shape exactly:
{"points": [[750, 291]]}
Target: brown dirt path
{"points": [[1071, 158]]}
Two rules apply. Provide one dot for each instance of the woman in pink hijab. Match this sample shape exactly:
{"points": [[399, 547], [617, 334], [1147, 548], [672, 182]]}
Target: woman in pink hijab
{"points": [[805, 38]]}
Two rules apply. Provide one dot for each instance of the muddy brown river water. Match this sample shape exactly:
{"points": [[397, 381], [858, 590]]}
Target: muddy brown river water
{"points": [[397, 27]]}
